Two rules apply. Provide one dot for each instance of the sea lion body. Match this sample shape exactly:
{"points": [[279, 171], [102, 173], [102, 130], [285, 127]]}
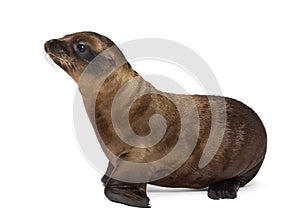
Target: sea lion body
{"points": [[236, 160]]}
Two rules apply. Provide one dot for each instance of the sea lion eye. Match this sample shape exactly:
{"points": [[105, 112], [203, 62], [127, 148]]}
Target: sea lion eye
{"points": [[81, 47], [84, 52]]}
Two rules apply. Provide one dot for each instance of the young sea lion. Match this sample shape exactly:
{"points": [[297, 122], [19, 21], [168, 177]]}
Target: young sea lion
{"points": [[202, 141]]}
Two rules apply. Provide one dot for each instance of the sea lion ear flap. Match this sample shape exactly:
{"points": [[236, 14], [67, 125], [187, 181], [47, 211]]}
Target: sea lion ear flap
{"points": [[114, 56], [106, 60], [110, 59]]}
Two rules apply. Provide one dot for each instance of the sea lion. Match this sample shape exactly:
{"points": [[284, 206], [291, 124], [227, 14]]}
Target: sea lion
{"points": [[233, 163]]}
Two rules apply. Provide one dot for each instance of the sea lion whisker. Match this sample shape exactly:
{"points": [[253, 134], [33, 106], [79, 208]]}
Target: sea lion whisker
{"points": [[49, 60]]}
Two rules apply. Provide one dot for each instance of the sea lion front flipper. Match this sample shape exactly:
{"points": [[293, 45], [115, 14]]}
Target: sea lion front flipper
{"points": [[107, 174], [226, 189], [132, 194], [129, 178]]}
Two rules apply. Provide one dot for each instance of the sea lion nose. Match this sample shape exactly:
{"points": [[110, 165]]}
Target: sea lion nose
{"points": [[50, 44]]}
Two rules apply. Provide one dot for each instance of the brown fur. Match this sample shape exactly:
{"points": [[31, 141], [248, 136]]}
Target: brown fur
{"points": [[239, 157]]}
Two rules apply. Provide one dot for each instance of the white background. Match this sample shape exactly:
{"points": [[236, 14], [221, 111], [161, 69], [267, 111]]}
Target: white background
{"points": [[253, 47]]}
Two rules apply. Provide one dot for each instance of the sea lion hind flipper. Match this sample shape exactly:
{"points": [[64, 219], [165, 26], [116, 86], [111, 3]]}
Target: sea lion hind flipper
{"points": [[132, 194], [226, 189]]}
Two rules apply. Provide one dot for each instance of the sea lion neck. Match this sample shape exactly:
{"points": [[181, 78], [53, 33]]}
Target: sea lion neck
{"points": [[97, 91]]}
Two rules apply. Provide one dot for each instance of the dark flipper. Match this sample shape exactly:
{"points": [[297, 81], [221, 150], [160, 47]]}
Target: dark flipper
{"points": [[226, 189], [132, 194], [248, 176], [107, 173]]}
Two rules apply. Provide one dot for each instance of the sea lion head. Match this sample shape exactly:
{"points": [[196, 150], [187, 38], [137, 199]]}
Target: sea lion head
{"points": [[74, 52]]}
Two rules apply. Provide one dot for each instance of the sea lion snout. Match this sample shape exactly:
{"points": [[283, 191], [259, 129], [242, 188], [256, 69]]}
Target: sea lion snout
{"points": [[56, 48], [49, 44]]}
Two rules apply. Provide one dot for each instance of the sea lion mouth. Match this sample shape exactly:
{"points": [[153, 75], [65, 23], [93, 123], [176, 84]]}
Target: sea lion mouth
{"points": [[59, 55], [56, 51], [63, 63]]}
